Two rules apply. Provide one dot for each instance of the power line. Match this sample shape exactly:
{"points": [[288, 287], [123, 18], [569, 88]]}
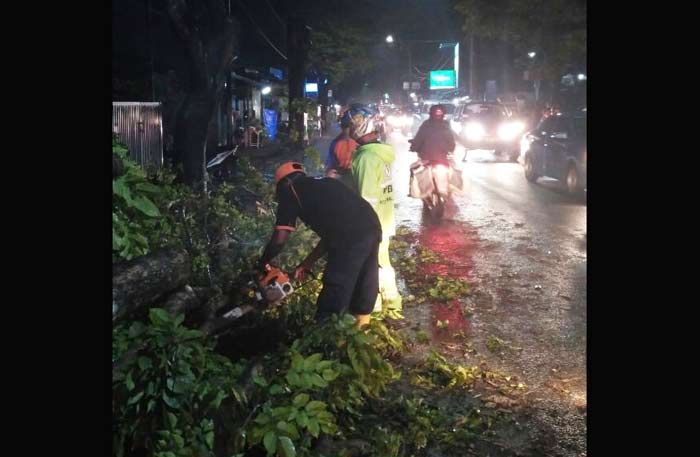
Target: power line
{"points": [[275, 13], [245, 9]]}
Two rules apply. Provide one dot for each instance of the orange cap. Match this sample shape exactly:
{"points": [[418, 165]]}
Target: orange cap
{"points": [[287, 169]]}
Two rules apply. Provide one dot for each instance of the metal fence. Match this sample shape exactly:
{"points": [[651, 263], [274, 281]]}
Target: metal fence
{"points": [[139, 125]]}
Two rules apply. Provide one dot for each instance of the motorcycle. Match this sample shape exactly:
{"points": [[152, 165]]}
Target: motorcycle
{"points": [[431, 181]]}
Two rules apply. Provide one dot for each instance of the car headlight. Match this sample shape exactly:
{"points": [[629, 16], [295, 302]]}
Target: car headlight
{"points": [[510, 130], [474, 131]]}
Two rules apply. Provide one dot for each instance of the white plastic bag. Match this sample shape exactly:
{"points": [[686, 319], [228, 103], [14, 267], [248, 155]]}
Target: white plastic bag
{"points": [[421, 184]]}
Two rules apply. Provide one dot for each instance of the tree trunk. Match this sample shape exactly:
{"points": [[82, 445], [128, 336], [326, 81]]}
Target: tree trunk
{"points": [[140, 282], [191, 136], [186, 299]]}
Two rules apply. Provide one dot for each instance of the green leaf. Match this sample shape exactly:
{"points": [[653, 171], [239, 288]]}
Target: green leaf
{"points": [[311, 361], [293, 379], [179, 319], [158, 316], [216, 402], [270, 442], [144, 363], [324, 365], [288, 429], [330, 374], [286, 447], [209, 439], [135, 399], [129, 382], [259, 380], [172, 419], [148, 187], [262, 419], [170, 401], [146, 206], [300, 400], [120, 188], [352, 354], [297, 361], [313, 407], [179, 440], [276, 389], [302, 419], [313, 427], [318, 381]]}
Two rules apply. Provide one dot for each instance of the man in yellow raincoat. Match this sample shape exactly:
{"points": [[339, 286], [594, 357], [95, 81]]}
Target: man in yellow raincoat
{"points": [[371, 173]]}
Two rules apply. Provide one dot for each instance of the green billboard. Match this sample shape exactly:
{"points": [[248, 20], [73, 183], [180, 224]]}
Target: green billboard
{"points": [[442, 79]]}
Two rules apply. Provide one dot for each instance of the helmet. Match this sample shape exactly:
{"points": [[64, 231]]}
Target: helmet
{"points": [[437, 112], [360, 119], [287, 169]]}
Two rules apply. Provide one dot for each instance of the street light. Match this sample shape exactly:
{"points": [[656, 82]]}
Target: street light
{"points": [[531, 54], [266, 90], [389, 39], [581, 77]]}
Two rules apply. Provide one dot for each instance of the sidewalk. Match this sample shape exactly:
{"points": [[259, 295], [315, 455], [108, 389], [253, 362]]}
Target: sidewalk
{"points": [[271, 155]]}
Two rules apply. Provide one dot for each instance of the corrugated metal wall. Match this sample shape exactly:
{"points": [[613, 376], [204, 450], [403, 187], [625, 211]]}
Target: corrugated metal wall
{"points": [[139, 125]]}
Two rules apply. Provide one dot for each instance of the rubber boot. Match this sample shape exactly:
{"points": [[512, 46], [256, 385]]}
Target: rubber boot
{"points": [[388, 291], [362, 320]]}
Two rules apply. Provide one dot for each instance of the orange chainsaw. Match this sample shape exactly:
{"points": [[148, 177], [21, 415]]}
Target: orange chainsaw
{"points": [[268, 288]]}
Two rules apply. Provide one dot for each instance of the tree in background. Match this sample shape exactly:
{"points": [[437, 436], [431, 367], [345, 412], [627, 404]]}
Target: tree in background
{"points": [[554, 29], [208, 35]]}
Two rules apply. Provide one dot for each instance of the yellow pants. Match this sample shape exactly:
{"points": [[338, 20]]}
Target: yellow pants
{"points": [[389, 297]]}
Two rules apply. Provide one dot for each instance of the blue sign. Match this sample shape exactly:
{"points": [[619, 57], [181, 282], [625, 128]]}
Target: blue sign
{"points": [[270, 120], [277, 73]]}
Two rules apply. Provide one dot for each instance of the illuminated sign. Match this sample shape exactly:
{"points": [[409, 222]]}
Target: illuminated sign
{"points": [[442, 79]]}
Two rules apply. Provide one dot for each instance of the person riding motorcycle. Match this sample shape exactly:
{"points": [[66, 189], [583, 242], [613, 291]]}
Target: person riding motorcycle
{"points": [[350, 235], [434, 139], [371, 174]]}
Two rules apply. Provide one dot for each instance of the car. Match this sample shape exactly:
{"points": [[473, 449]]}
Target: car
{"points": [[556, 148], [488, 125], [398, 119]]}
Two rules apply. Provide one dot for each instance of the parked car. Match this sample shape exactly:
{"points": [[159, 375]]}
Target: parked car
{"points": [[556, 148], [488, 125]]}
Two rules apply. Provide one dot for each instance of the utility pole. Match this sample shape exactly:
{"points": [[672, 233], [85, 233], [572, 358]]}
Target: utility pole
{"points": [[297, 49], [472, 67]]}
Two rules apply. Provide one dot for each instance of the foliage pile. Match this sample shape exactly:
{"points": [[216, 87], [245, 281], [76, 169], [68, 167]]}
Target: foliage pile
{"points": [[329, 389]]}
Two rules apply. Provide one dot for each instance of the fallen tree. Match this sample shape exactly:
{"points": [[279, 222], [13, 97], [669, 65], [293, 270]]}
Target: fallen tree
{"points": [[142, 281]]}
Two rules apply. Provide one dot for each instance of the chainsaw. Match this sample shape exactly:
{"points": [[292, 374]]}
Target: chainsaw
{"points": [[267, 288]]}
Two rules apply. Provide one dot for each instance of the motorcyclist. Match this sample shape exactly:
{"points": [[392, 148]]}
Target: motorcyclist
{"points": [[350, 234], [371, 173], [434, 139]]}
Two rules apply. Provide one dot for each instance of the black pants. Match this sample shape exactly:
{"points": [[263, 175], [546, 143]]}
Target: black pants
{"points": [[351, 277]]}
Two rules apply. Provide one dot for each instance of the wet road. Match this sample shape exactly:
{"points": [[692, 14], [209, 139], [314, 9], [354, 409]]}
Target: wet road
{"points": [[522, 247]]}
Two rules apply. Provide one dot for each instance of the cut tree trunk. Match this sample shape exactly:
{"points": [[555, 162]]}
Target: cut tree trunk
{"points": [[186, 299], [145, 280]]}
